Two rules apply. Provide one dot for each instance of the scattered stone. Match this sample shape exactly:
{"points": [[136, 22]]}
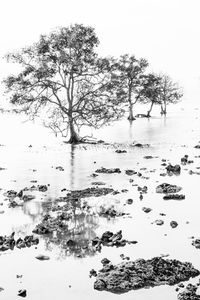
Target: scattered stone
{"points": [[147, 209], [141, 196], [105, 261], [121, 151], [60, 168], [173, 224], [130, 172], [93, 273], [139, 145], [108, 238], [98, 183], [143, 273], [196, 243], [22, 293], [174, 197], [110, 212], [159, 222], [184, 159], [173, 169], [142, 189], [108, 171], [167, 188], [197, 146], [193, 172], [189, 293], [9, 242], [129, 201], [42, 257], [150, 157]]}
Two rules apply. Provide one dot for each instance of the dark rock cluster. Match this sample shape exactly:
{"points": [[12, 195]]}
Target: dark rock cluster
{"points": [[9, 242], [143, 273], [166, 188], [109, 238], [108, 171], [190, 293]]}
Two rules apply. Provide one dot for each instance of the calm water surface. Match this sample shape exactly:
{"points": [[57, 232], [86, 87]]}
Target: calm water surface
{"points": [[65, 275]]}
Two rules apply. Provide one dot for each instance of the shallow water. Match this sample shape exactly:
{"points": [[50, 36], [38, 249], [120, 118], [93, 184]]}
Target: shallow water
{"points": [[65, 275]]}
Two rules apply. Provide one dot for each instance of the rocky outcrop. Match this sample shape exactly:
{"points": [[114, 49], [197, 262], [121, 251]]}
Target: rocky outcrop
{"points": [[167, 188], [143, 273], [190, 293], [174, 197], [108, 171]]}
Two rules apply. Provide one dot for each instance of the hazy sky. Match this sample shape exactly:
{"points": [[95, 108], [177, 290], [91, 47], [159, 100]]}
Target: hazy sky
{"points": [[165, 32]]}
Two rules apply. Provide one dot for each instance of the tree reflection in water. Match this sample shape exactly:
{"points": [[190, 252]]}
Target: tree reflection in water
{"points": [[76, 239]]}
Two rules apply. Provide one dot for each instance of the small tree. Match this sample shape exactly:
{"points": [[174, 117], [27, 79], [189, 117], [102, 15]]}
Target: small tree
{"points": [[170, 93], [128, 76], [151, 91], [63, 80]]}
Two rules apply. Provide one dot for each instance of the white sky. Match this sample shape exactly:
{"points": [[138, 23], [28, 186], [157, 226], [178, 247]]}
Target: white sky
{"points": [[165, 32]]}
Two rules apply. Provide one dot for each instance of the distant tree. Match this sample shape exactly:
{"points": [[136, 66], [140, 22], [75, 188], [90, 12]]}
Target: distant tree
{"points": [[128, 77], [159, 90], [151, 91], [170, 93], [64, 81]]}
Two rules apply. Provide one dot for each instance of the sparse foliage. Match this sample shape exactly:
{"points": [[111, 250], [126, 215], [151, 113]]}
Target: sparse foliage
{"points": [[128, 78], [64, 81]]}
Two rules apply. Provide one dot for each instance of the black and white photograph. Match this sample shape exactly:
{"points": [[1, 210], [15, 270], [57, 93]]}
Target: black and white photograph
{"points": [[100, 149]]}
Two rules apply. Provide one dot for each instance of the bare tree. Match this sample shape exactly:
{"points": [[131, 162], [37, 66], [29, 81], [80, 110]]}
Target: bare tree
{"points": [[170, 92]]}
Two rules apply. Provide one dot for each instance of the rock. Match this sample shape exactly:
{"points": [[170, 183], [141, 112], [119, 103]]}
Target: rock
{"points": [[159, 222], [110, 212], [173, 224], [189, 293], [71, 243], [167, 188], [196, 243], [142, 189], [197, 146], [147, 209], [184, 159], [108, 238], [132, 275], [130, 172], [150, 157], [120, 151], [105, 261], [139, 145], [98, 183], [22, 293], [129, 201], [42, 188], [93, 273], [60, 168], [108, 171], [174, 197], [42, 257], [173, 169]]}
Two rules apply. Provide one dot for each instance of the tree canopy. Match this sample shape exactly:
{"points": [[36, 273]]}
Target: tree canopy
{"points": [[63, 80], [128, 77]]}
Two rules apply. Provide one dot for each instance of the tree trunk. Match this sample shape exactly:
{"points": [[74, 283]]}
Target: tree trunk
{"points": [[130, 117], [74, 138], [165, 108], [149, 111], [162, 110]]}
